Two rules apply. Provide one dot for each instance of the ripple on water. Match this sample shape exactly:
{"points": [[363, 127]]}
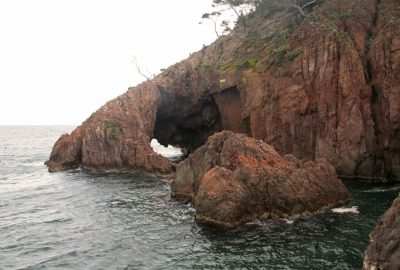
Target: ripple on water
{"points": [[74, 220]]}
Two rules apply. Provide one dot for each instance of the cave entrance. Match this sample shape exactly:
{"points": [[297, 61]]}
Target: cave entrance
{"points": [[187, 122]]}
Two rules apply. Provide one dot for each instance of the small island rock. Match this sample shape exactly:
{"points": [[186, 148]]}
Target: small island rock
{"points": [[233, 179]]}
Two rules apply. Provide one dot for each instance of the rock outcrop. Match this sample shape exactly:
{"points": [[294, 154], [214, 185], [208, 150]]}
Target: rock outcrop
{"points": [[324, 86], [383, 251], [233, 179], [114, 139]]}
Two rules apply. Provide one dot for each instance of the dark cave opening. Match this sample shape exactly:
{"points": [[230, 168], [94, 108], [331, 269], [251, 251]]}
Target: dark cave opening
{"points": [[188, 131], [185, 124]]}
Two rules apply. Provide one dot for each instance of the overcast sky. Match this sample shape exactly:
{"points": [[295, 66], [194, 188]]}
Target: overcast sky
{"points": [[60, 60]]}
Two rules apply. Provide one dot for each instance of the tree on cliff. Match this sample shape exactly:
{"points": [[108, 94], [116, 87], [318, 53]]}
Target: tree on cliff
{"points": [[213, 17], [301, 6], [148, 75], [241, 8]]}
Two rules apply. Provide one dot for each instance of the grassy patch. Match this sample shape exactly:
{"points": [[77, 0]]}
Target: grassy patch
{"points": [[340, 15], [240, 63], [330, 22], [206, 67], [112, 130], [283, 53], [292, 54]]}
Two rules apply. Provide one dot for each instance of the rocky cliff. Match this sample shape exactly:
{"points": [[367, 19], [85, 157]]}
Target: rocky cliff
{"points": [[322, 86], [383, 251]]}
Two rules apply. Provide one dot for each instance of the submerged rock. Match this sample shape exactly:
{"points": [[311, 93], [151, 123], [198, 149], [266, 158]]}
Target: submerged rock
{"points": [[233, 179], [383, 251]]}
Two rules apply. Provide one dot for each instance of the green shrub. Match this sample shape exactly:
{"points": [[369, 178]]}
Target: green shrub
{"points": [[252, 62], [240, 63], [205, 67], [340, 16], [282, 53], [291, 55], [112, 130], [226, 66]]}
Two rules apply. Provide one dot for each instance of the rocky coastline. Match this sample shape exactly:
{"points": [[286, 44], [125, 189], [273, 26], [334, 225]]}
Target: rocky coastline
{"points": [[314, 98], [327, 89]]}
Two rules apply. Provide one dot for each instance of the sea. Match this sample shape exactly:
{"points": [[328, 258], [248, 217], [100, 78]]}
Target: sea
{"points": [[78, 220]]}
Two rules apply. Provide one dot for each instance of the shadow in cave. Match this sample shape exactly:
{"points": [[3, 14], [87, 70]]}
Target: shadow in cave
{"points": [[187, 124]]}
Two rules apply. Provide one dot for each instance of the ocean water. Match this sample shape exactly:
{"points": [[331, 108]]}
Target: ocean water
{"points": [[76, 220]]}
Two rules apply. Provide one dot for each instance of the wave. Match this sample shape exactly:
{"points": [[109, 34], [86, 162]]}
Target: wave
{"points": [[289, 221], [168, 152], [379, 190], [342, 210]]}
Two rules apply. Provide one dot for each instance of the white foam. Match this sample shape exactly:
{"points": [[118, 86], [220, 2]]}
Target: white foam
{"points": [[167, 152], [342, 210], [289, 221]]}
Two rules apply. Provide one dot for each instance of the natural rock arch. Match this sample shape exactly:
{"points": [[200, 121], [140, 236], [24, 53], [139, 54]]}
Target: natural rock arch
{"points": [[117, 137], [317, 94], [215, 112]]}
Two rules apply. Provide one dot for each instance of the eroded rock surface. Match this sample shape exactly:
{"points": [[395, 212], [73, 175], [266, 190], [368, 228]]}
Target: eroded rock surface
{"points": [[324, 86], [114, 139], [233, 179], [383, 252]]}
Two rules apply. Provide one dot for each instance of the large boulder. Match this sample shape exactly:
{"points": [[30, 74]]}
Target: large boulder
{"points": [[383, 251], [233, 179]]}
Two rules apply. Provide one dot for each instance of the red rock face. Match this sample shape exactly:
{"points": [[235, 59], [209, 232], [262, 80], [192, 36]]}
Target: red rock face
{"points": [[383, 251], [384, 69], [329, 102], [66, 153], [233, 179], [115, 138], [329, 88]]}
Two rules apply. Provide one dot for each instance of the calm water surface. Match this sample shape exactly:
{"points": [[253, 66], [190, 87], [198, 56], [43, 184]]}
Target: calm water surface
{"points": [[75, 220]]}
